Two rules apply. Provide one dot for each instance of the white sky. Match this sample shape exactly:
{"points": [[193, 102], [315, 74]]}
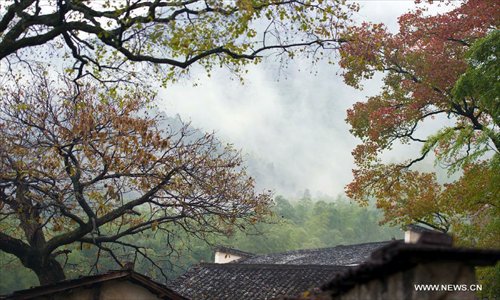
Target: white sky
{"points": [[291, 125]]}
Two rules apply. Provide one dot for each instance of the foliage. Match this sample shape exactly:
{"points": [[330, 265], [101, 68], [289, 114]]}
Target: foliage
{"points": [[437, 66], [490, 279], [83, 169], [323, 223], [480, 81], [117, 40], [315, 223]]}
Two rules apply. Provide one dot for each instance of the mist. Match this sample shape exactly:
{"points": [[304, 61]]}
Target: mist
{"points": [[289, 123]]}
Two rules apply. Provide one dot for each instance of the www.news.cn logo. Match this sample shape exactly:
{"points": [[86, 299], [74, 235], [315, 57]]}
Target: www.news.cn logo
{"points": [[448, 287]]}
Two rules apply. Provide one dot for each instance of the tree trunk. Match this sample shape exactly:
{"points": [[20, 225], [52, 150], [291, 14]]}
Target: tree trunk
{"points": [[51, 272], [48, 270]]}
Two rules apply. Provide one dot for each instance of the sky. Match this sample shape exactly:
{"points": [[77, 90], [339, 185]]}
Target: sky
{"points": [[289, 124]]}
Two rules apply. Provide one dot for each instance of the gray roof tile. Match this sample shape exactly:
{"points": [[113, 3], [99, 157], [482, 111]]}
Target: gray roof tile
{"points": [[262, 277], [251, 282], [339, 255]]}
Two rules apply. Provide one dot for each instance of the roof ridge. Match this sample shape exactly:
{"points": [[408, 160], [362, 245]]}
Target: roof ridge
{"points": [[324, 248]]}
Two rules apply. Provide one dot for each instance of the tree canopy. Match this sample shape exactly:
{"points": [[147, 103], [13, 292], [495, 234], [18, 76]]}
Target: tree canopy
{"points": [[437, 66], [92, 170], [115, 40]]}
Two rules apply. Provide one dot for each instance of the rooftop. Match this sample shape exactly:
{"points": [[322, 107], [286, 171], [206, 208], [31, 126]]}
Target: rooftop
{"points": [[208, 281], [399, 256], [339, 255], [66, 285]]}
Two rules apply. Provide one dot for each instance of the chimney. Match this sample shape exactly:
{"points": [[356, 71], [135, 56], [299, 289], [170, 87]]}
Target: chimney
{"points": [[417, 234]]}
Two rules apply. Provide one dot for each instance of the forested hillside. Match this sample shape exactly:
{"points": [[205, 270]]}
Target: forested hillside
{"points": [[300, 223]]}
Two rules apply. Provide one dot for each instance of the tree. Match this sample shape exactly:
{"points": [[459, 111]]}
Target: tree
{"points": [[112, 40], [432, 69], [96, 170], [84, 165]]}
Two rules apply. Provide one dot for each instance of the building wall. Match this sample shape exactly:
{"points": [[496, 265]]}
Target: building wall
{"points": [[411, 237], [126, 290], [402, 285], [115, 290], [224, 258]]}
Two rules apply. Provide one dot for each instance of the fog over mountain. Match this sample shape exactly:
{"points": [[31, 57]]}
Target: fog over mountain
{"points": [[289, 123]]}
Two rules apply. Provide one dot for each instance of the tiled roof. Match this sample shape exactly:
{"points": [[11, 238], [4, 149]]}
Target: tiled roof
{"points": [[66, 285], [251, 282], [339, 255], [399, 256]]}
